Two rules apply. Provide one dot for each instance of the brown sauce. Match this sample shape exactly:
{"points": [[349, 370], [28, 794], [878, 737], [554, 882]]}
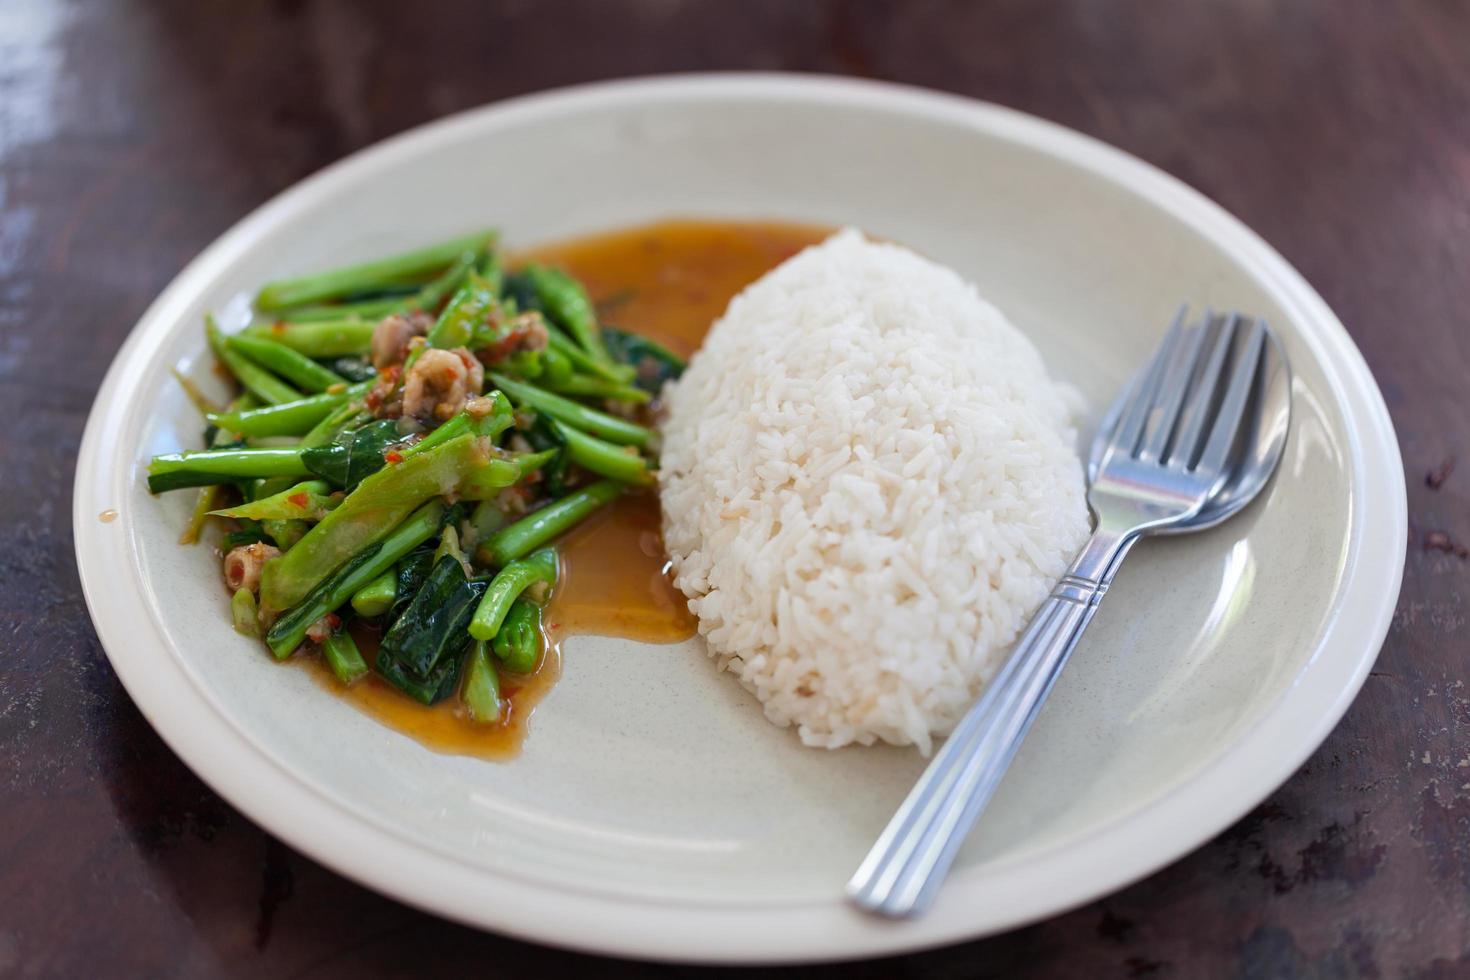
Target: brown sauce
{"points": [[668, 281], [671, 280], [444, 727]]}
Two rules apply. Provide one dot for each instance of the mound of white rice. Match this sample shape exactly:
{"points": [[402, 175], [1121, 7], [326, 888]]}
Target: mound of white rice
{"points": [[868, 484]]}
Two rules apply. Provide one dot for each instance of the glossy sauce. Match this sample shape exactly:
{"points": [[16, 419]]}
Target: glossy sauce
{"points": [[444, 727], [668, 281]]}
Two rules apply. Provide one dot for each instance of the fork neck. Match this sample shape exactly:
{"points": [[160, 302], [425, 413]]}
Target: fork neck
{"points": [[1093, 568]]}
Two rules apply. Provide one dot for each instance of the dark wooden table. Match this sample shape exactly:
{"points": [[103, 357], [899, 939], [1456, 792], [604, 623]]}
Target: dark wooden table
{"points": [[131, 134]]}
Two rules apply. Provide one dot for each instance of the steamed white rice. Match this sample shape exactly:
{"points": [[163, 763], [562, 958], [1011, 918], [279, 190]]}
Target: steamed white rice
{"points": [[868, 484]]}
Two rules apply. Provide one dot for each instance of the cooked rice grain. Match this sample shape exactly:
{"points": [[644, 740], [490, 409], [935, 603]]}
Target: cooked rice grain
{"points": [[868, 483]]}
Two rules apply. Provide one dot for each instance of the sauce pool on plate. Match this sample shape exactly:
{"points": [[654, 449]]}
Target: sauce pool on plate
{"points": [[669, 281]]}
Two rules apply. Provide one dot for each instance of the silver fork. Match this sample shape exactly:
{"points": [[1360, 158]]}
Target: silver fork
{"points": [[1188, 443]]}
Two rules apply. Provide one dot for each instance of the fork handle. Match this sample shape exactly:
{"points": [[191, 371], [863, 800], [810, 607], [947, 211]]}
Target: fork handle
{"points": [[902, 873]]}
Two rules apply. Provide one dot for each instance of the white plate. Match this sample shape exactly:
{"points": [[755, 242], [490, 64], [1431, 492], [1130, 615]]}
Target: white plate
{"points": [[654, 813]]}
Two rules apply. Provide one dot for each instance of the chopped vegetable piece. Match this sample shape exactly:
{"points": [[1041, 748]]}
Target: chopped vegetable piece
{"points": [[510, 582], [487, 416], [531, 532], [353, 368], [285, 533], [328, 338], [266, 386], [518, 641], [289, 364], [654, 364], [609, 427], [491, 271], [567, 347], [242, 612], [337, 283], [367, 309], [411, 572], [566, 302], [449, 546], [557, 369], [289, 630], [209, 496], [586, 386], [430, 634], [342, 655], [481, 691], [291, 418], [437, 290], [604, 458], [374, 508], [308, 501], [377, 596], [204, 467], [471, 305], [353, 455]]}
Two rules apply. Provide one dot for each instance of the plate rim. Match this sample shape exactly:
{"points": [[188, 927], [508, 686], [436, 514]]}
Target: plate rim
{"points": [[312, 822]]}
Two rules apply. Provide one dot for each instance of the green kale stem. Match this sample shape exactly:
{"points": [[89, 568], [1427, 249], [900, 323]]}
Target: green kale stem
{"points": [[205, 467], [377, 596], [378, 503], [566, 301], [586, 386], [394, 270], [439, 289], [567, 347], [289, 364], [604, 458], [209, 495], [508, 583], [482, 423], [481, 687], [256, 379], [535, 530], [289, 630], [367, 309], [242, 613], [472, 304], [518, 641], [328, 338], [342, 655], [310, 500], [291, 418], [575, 414]]}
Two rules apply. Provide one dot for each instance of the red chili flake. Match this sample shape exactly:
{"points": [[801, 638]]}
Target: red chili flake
{"points": [[298, 499], [393, 456], [279, 326], [1435, 478]]}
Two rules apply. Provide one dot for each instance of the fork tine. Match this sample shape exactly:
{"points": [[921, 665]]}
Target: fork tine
{"points": [[1227, 420], [1197, 411], [1177, 377], [1135, 414]]}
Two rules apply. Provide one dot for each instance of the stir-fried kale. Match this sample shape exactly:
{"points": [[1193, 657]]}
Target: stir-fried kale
{"points": [[653, 363], [353, 455], [421, 652], [373, 525]]}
